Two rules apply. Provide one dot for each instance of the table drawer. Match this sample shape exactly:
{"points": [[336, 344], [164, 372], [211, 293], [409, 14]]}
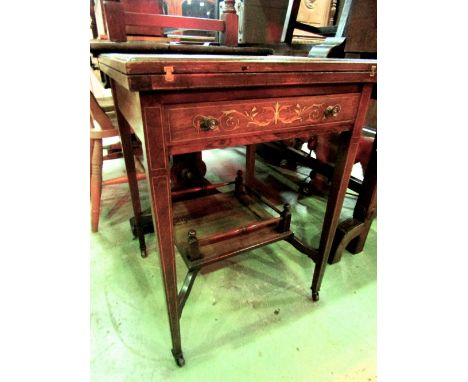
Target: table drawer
{"points": [[228, 119]]}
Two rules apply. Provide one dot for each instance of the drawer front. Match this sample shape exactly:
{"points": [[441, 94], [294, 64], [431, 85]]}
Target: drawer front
{"points": [[202, 121]]}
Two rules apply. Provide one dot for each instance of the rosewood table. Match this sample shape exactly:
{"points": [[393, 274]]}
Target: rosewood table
{"points": [[179, 104]]}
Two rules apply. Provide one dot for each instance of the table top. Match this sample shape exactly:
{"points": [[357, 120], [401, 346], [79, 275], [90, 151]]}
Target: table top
{"points": [[138, 72], [205, 63]]}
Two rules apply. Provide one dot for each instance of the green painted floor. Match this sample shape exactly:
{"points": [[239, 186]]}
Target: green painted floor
{"points": [[249, 319]]}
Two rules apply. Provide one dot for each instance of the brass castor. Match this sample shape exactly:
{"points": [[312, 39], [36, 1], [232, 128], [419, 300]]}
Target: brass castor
{"points": [[315, 296], [180, 361]]}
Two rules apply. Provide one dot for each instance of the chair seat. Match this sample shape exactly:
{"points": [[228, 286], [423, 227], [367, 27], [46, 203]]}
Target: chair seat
{"points": [[106, 103]]}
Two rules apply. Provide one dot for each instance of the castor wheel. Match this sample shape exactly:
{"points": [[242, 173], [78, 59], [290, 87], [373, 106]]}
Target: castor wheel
{"points": [[306, 189], [143, 253], [180, 361], [315, 296]]}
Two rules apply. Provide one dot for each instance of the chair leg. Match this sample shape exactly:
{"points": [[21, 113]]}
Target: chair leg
{"points": [[91, 146], [96, 183], [138, 165]]}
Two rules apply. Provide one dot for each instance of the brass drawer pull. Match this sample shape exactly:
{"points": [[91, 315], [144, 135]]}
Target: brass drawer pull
{"points": [[208, 124], [331, 111]]}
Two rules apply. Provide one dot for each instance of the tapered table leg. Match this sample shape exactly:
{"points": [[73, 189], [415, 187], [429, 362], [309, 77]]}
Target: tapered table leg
{"points": [[127, 148], [162, 219], [352, 233], [159, 179], [366, 204], [344, 163]]}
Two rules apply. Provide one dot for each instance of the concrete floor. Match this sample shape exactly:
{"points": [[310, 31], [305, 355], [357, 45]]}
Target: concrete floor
{"points": [[250, 320]]}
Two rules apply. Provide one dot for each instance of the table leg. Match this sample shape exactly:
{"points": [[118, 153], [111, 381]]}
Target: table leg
{"points": [[348, 146], [127, 148], [367, 202], [159, 178], [352, 233], [250, 165], [162, 221]]}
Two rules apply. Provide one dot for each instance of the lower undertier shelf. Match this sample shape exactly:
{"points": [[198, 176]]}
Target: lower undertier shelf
{"points": [[225, 226]]}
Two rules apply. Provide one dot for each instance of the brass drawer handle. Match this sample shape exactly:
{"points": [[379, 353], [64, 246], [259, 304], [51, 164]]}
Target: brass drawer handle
{"points": [[331, 111], [208, 124]]}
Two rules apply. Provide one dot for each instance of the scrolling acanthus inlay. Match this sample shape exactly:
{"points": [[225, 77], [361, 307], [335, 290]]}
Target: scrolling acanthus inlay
{"points": [[230, 120]]}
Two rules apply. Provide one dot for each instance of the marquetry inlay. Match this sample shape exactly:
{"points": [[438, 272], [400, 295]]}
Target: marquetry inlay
{"points": [[266, 116]]}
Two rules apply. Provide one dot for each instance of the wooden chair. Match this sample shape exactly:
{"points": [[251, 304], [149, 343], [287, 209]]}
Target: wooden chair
{"points": [[103, 125], [124, 18]]}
